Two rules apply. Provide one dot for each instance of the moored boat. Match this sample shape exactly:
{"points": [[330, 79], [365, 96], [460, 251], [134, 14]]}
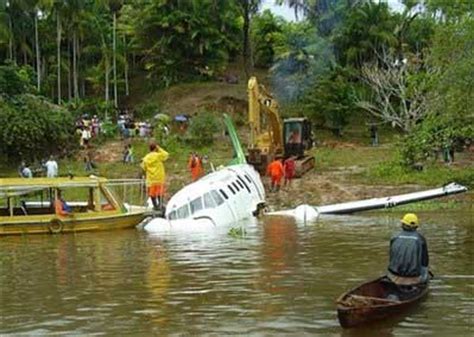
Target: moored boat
{"points": [[30, 206], [375, 300]]}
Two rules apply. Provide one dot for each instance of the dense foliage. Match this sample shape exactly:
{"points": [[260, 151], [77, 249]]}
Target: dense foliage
{"points": [[202, 128], [35, 128], [410, 69], [186, 39]]}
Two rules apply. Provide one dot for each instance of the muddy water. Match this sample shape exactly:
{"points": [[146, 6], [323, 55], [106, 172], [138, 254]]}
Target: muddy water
{"points": [[281, 279]]}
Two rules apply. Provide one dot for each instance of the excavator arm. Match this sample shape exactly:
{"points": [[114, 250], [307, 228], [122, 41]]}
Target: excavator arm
{"points": [[266, 132]]}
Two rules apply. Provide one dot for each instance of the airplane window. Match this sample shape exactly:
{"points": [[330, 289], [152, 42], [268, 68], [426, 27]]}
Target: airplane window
{"points": [[217, 198], [224, 194], [240, 184], [183, 212], [244, 183], [231, 189], [208, 201], [248, 179], [173, 215], [196, 205], [235, 186]]}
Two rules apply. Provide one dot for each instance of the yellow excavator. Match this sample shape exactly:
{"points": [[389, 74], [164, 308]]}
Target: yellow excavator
{"points": [[269, 137]]}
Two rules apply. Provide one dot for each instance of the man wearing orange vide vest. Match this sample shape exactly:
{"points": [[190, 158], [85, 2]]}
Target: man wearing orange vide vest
{"points": [[276, 173], [195, 166], [154, 169]]}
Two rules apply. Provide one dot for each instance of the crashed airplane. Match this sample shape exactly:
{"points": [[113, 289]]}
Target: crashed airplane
{"points": [[236, 193], [227, 196]]}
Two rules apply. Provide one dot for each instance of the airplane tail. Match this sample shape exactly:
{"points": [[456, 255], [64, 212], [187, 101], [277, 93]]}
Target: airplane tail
{"points": [[239, 155]]}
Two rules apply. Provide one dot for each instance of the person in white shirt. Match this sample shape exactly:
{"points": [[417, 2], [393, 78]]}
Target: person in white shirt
{"points": [[51, 168], [26, 172]]}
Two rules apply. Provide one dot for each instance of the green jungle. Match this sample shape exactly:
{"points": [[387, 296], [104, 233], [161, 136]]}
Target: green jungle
{"points": [[354, 68]]}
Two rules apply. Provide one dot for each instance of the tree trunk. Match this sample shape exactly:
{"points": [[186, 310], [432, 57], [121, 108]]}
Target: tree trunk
{"points": [[58, 41], [10, 38], [246, 46], [115, 59], [107, 79], [38, 58], [69, 71], [74, 65], [125, 67]]}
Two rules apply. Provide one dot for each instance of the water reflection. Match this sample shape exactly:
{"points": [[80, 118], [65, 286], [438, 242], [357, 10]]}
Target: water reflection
{"points": [[280, 279]]}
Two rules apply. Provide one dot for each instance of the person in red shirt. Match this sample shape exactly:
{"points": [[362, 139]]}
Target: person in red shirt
{"points": [[290, 169], [276, 173], [195, 166]]}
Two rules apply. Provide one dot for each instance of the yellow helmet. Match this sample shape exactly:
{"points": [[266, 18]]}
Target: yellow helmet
{"points": [[410, 220]]}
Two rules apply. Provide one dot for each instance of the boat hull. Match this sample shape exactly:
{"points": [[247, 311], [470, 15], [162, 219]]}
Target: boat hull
{"points": [[376, 300], [55, 225]]}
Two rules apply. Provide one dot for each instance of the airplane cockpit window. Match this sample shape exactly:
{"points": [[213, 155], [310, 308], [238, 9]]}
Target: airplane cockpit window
{"points": [[196, 205], [173, 215], [224, 194], [248, 179], [208, 201], [242, 181], [217, 198], [235, 186], [183, 212], [231, 189]]}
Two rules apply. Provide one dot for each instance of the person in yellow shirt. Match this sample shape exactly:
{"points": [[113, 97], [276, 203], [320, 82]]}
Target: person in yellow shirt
{"points": [[154, 169]]}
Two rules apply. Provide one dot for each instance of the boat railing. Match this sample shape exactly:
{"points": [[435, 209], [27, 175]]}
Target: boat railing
{"points": [[131, 192]]}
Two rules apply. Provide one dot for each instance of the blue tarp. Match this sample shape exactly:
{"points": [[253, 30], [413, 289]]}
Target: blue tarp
{"points": [[181, 118]]}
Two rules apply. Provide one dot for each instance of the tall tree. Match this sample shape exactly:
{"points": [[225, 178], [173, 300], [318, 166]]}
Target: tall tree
{"points": [[115, 6], [248, 8]]}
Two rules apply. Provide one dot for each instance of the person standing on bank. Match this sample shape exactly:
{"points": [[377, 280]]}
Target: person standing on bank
{"points": [[276, 173], [154, 169], [409, 257], [51, 168]]}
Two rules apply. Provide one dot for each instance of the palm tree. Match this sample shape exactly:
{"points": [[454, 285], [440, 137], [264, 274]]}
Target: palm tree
{"points": [[40, 7], [58, 8], [115, 6], [248, 8]]}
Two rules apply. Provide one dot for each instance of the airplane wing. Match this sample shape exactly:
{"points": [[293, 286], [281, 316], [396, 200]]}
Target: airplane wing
{"points": [[312, 212], [239, 155]]}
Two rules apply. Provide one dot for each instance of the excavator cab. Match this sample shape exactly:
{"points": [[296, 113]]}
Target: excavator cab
{"points": [[297, 137]]}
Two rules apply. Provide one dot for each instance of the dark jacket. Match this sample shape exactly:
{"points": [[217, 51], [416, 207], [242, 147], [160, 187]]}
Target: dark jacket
{"points": [[408, 254]]}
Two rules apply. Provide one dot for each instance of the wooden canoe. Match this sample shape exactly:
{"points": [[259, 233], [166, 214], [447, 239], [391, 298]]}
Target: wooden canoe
{"points": [[375, 300]]}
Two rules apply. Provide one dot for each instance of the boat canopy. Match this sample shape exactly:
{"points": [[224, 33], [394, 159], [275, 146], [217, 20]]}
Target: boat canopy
{"points": [[10, 187]]}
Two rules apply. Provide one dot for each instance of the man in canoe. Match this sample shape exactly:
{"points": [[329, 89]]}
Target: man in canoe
{"points": [[408, 254], [154, 169]]}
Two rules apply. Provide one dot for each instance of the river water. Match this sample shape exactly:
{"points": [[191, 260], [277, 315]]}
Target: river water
{"points": [[280, 279]]}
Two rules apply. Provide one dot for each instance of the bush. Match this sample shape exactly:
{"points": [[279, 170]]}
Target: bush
{"points": [[16, 80], [147, 110], [202, 128], [36, 128], [91, 107], [331, 100]]}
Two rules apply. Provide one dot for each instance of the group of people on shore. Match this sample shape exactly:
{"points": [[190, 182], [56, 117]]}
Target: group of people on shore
{"points": [[129, 128], [280, 169], [49, 168], [88, 128]]}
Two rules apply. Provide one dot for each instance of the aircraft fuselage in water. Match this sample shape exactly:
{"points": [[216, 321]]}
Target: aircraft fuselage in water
{"points": [[226, 196]]}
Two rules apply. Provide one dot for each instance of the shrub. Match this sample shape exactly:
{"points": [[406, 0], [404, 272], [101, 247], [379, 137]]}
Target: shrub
{"points": [[36, 128], [16, 80], [202, 128]]}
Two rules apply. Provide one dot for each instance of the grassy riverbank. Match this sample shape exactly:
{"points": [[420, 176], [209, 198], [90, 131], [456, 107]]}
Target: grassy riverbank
{"points": [[347, 167]]}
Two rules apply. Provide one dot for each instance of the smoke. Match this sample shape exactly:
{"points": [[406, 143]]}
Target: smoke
{"points": [[310, 53]]}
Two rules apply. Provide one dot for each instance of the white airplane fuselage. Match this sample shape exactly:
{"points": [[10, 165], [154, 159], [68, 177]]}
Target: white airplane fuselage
{"points": [[226, 196]]}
